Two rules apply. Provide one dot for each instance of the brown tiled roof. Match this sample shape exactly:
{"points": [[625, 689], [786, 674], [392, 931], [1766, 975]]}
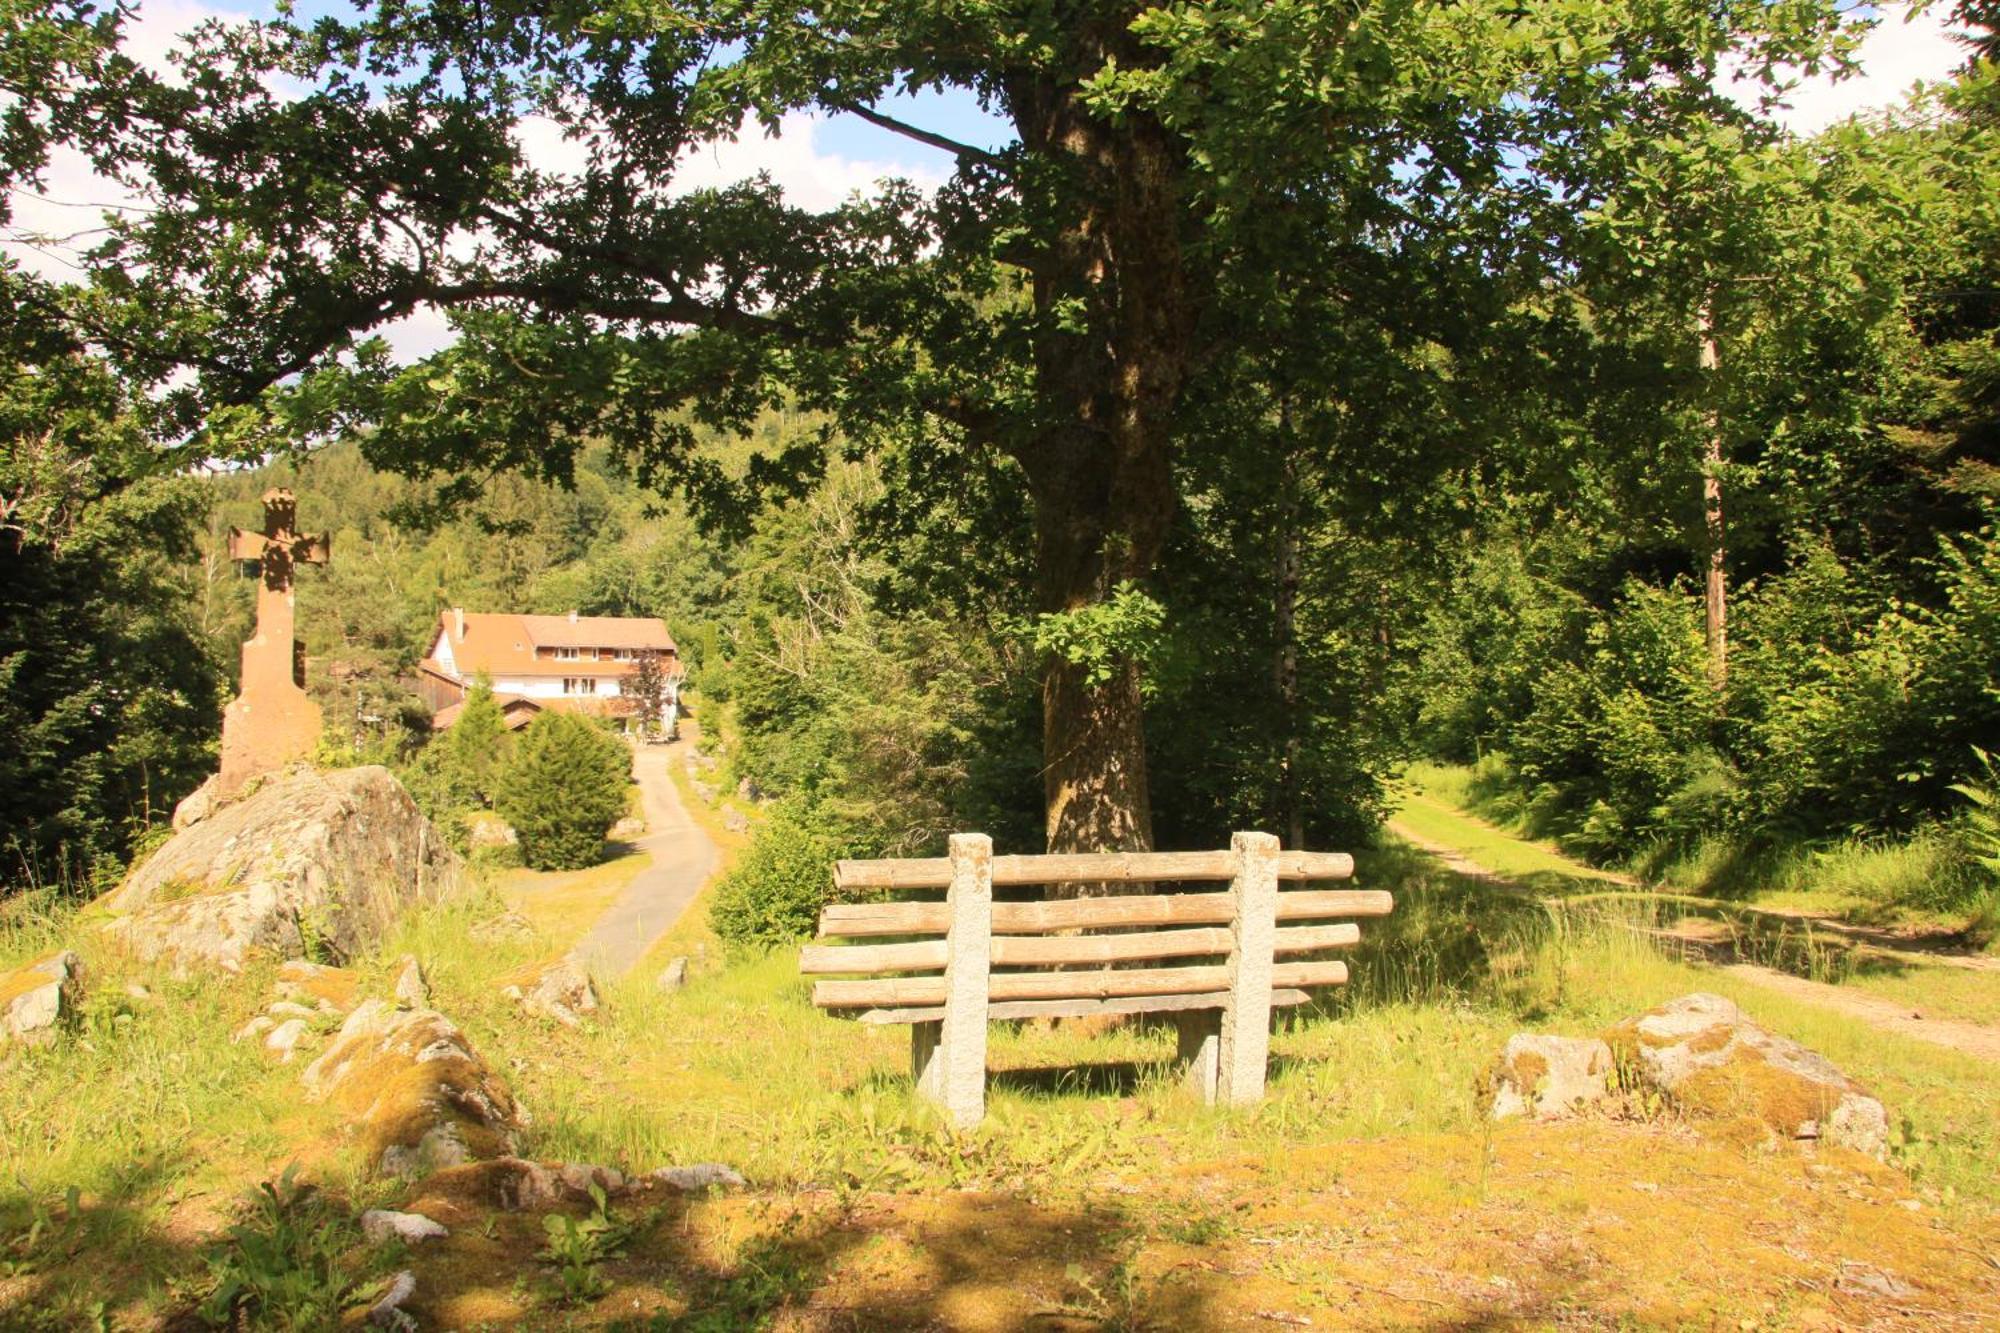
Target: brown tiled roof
{"points": [[504, 644], [597, 632]]}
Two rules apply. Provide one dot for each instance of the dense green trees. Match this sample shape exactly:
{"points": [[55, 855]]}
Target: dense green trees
{"points": [[1328, 383], [1402, 174], [108, 703]]}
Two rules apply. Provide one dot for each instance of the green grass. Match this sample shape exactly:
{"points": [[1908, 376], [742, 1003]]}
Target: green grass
{"points": [[1923, 881], [1538, 866], [160, 1123], [1935, 991]]}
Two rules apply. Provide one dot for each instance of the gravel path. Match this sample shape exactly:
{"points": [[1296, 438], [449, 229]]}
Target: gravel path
{"points": [[683, 859]]}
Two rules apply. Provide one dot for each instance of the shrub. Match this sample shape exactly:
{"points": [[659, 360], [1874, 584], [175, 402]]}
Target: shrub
{"points": [[774, 894], [563, 791]]}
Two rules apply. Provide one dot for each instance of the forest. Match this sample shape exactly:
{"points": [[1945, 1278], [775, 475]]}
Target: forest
{"points": [[1545, 411]]}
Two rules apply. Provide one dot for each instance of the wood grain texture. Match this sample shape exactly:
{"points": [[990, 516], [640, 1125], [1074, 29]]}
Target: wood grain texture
{"points": [[889, 992], [1064, 950], [934, 872], [861, 920]]}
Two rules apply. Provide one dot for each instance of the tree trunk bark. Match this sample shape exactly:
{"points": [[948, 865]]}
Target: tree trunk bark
{"points": [[1285, 602], [1112, 350], [1716, 583]]}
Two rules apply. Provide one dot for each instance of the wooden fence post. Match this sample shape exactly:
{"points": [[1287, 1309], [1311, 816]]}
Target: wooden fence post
{"points": [[1246, 1016], [952, 1071]]}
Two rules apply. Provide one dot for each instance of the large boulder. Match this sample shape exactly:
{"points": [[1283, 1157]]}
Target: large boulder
{"points": [[1712, 1061], [414, 1090], [35, 998], [308, 862]]}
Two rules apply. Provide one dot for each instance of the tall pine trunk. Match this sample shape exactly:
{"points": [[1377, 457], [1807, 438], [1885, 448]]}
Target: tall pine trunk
{"points": [[1285, 668]]}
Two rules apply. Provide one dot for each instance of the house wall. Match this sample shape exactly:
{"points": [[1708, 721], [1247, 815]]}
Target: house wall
{"points": [[549, 687], [441, 653]]}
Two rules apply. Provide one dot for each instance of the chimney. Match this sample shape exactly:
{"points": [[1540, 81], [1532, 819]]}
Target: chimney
{"points": [[572, 617], [458, 618]]}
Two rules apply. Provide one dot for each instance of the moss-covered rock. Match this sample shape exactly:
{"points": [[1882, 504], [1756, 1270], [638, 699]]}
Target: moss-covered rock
{"points": [[561, 990], [414, 1090], [1547, 1077], [308, 864], [37, 997], [1713, 1062]]}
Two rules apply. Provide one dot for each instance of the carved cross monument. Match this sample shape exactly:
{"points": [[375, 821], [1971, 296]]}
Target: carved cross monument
{"points": [[271, 722]]}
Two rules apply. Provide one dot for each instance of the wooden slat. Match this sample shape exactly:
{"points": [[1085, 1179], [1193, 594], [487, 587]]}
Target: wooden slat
{"points": [[1130, 1004], [1043, 950], [890, 992], [934, 872], [852, 920]]}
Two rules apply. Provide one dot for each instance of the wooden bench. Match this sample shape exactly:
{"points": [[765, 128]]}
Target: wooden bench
{"points": [[960, 963]]}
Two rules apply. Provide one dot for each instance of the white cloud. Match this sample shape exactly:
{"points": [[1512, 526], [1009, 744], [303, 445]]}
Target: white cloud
{"points": [[54, 225], [1901, 50], [811, 177]]}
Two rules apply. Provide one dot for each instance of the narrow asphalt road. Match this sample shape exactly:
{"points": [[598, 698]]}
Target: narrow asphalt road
{"points": [[683, 858]]}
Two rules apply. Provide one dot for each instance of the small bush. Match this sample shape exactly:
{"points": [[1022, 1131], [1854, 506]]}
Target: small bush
{"points": [[563, 791], [774, 894]]}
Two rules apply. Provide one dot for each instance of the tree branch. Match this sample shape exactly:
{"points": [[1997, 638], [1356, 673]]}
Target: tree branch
{"points": [[962, 151]]}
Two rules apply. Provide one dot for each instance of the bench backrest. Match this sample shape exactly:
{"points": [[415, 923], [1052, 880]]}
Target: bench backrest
{"points": [[968, 959]]}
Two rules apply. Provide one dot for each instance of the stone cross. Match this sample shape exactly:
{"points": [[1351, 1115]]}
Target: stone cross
{"points": [[271, 722]]}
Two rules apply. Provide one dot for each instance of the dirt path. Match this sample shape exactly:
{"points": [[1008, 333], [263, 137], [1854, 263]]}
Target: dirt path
{"points": [[1877, 1012], [1882, 1014], [683, 857]]}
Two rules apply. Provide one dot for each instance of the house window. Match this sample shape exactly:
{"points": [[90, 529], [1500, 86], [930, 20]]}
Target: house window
{"points": [[626, 654], [579, 685], [565, 654]]}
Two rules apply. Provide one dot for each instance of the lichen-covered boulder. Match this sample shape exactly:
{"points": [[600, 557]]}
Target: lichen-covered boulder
{"points": [[1546, 1077], [37, 997], [414, 1090], [306, 863], [199, 804], [1712, 1061], [562, 990]]}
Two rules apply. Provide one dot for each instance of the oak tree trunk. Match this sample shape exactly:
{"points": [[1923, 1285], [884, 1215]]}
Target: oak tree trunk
{"points": [[1112, 353]]}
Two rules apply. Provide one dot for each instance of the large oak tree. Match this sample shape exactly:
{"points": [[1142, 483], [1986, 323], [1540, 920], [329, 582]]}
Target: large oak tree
{"points": [[1399, 171]]}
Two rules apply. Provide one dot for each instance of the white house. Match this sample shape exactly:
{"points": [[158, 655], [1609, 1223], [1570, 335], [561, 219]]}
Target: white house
{"points": [[572, 663]]}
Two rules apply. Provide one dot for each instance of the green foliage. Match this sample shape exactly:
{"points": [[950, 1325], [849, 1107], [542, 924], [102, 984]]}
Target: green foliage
{"points": [[772, 895], [281, 1266], [578, 1246], [563, 790], [1102, 637], [108, 697]]}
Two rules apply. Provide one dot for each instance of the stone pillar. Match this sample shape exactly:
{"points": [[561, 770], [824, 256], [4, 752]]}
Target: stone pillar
{"points": [[1199, 1050], [1245, 1048], [954, 1077], [271, 722]]}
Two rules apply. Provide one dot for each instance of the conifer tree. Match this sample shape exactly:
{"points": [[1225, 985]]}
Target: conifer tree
{"points": [[563, 791]]}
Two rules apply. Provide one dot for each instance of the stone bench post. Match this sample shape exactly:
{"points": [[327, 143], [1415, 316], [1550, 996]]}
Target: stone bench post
{"points": [[1223, 1052], [1244, 1048], [948, 1056]]}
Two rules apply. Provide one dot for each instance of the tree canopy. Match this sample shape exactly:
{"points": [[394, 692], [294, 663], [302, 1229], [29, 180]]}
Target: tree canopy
{"points": [[1382, 194]]}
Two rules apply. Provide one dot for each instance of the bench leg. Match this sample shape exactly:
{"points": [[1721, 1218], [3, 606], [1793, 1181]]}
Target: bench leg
{"points": [[1200, 1050], [927, 1059]]}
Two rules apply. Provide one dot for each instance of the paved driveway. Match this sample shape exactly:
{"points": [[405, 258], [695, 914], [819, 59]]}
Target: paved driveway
{"points": [[682, 860]]}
